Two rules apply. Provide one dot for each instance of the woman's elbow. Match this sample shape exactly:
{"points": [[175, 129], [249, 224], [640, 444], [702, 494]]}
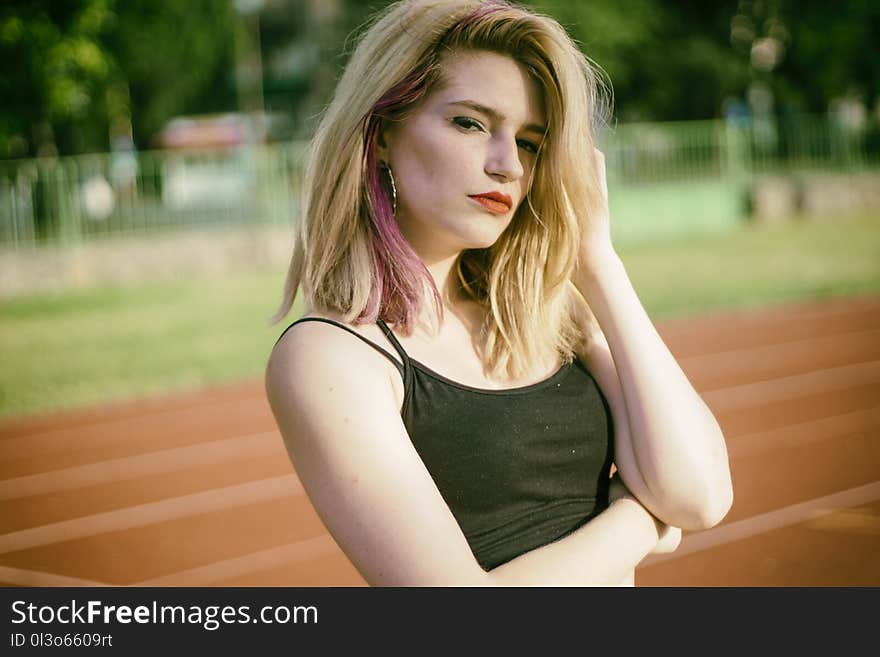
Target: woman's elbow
{"points": [[717, 494], [698, 508], [722, 507], [712, 511]]}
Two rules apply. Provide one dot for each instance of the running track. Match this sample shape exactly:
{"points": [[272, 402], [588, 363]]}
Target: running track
{"points": [[197, 489]]}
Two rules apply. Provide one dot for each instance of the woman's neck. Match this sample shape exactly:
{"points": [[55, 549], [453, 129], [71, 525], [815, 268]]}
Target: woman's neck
{"points": [[444, 272], [445, 278]]}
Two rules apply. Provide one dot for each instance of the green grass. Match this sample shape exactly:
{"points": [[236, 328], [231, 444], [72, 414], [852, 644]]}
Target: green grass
{"points": [[99, 345], [108, 344], [757, 265]]}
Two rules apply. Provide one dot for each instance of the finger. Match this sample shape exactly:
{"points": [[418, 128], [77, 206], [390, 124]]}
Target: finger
{"points": [[600, 164]]}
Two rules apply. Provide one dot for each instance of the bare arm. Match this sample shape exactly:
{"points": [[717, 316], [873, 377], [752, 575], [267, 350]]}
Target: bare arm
{"points": [[673, 457], [334, 403], [670, 536], [669, 449]]}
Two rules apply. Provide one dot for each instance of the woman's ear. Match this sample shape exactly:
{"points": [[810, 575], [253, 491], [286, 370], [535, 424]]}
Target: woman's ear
{"points": [[383, 140]]}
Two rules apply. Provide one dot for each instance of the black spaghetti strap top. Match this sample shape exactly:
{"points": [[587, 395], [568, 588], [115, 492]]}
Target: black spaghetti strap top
{"points": [[519, 468]]}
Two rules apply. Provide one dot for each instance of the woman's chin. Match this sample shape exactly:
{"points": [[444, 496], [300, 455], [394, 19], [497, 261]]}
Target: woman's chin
{"points": [[481, 239], [478, 244]]}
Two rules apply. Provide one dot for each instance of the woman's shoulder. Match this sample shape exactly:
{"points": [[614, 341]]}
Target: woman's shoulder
{"points": [[323, 347], [323, 331]]}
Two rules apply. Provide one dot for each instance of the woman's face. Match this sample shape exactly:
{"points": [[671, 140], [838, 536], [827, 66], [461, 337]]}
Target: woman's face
{"points": [[476, 134]]}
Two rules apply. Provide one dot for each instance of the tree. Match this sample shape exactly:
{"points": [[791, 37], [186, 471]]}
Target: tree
{"points": [[666, 60], [177, 58], [56, 74], [832, 51], [75, 71]]}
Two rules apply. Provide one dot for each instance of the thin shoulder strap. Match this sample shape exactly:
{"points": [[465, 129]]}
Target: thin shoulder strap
{"points": [[400, 366], [393, 340], [407, 366]]}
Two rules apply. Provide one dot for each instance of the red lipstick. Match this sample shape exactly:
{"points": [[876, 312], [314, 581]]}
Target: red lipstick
{"points": [[494, 202]]}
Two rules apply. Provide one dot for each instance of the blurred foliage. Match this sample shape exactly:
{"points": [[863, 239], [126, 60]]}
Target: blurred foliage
{"points": [[56, 71], [833, 49], [75, 72], [176, 57], [667, 60], [680, 59]]}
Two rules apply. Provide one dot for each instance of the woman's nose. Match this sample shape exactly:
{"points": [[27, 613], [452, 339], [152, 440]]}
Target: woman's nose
{"points": [[503, 160]]}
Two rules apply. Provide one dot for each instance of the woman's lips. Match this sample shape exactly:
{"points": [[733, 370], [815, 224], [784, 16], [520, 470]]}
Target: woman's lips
{"points": [[491, 204]]}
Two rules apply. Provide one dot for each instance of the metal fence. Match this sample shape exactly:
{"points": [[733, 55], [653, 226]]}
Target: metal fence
{"points": [[660, 152], [70, 199]]}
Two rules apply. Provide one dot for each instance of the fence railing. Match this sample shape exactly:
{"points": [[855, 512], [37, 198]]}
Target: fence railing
{"points": [[660, 152], [69, 199]]}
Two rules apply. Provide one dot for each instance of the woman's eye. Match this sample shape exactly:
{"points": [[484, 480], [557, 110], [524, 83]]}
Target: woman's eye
{"points": [[467, 123], [472, 125], [530, 146]]}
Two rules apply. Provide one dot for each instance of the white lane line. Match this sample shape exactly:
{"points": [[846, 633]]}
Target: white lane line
{"points": [[865, 422], [824, 317], [136, 409], [141, 465], [300, 551], [763, 360], [217, 499], [735, 398], [111, 431], [21, 577], [767, 522]]}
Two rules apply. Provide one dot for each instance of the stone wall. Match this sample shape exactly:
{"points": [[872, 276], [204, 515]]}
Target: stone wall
{"points": [[121, 260], [777, 196]]}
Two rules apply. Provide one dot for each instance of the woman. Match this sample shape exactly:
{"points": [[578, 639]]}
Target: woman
{"points": [[450, 400]]}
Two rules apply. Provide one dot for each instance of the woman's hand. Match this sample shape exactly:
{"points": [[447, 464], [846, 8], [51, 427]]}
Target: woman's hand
{"points": [[669, 541], [670, 537], [618, 490], [595, 245]]}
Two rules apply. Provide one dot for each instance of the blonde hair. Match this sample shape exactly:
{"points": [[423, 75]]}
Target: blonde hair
{"points": [[349, 255]]}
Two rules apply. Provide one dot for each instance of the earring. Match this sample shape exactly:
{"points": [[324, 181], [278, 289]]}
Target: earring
{"points": [[384, 166]]}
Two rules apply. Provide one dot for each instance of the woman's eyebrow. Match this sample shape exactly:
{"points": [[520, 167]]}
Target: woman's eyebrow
{"points": [[495, 115]]}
